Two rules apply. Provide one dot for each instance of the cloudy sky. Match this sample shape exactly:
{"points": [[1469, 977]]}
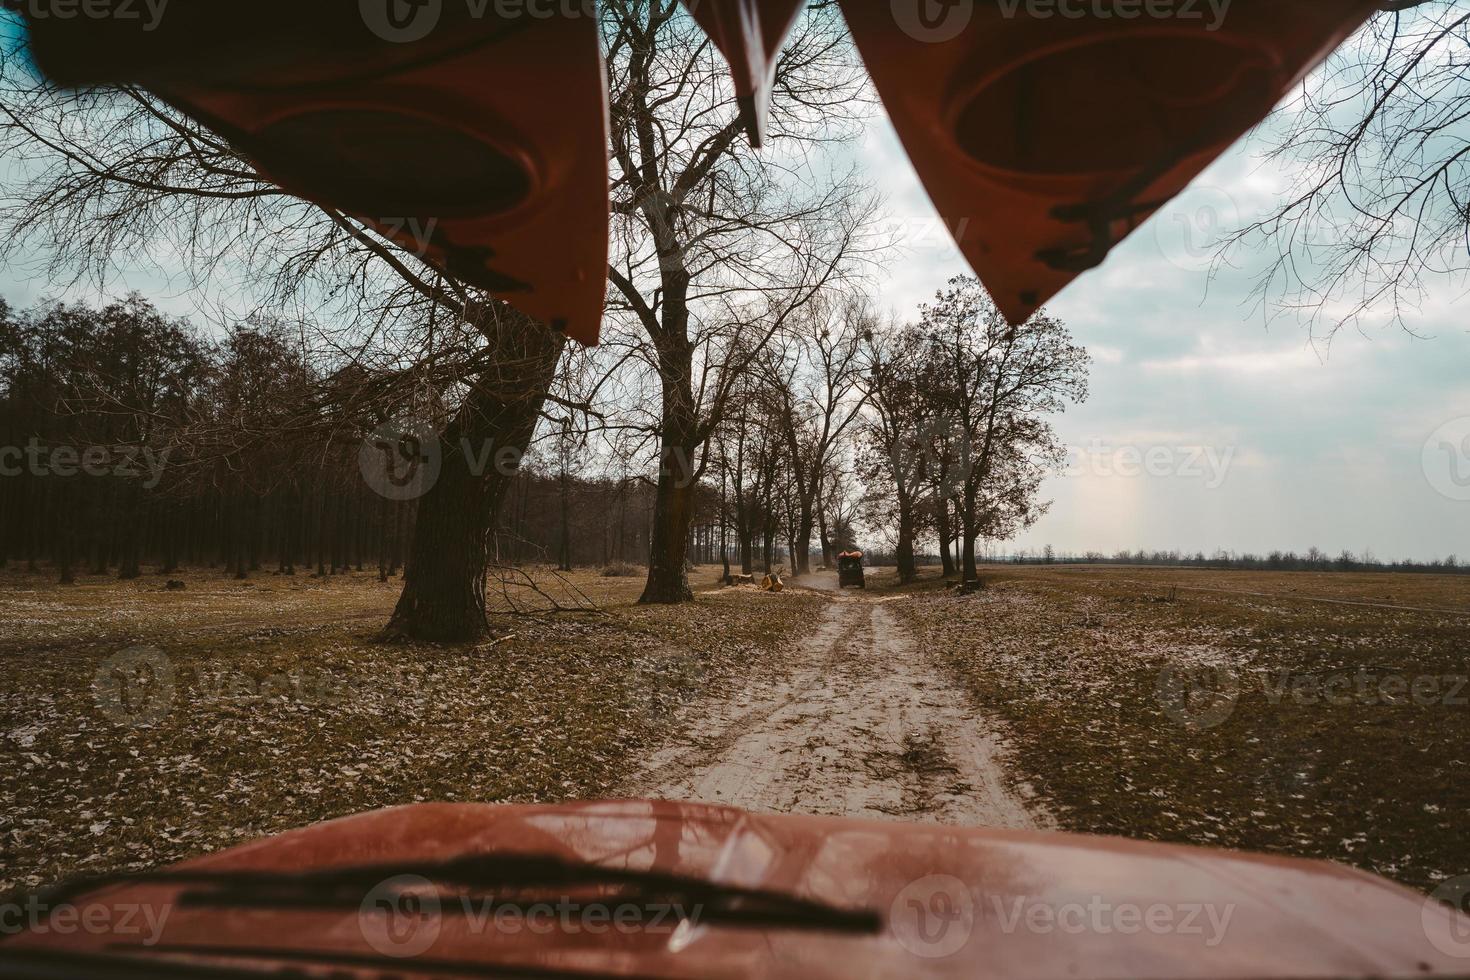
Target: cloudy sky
{"points": [[1206, 429]]}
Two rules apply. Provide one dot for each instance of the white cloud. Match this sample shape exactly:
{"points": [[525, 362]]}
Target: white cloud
{"points": [[1276, 362]]}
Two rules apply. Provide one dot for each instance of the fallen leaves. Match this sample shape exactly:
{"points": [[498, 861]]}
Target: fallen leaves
{"points": [[548, 709], [1072, 661]]}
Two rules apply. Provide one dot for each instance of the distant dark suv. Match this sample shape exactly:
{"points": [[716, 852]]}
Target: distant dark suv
{"points": [[850, 570]]}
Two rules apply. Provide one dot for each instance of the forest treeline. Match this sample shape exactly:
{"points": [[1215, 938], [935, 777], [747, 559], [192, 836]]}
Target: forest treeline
{"points": [[1313, 560], [130, 439]]}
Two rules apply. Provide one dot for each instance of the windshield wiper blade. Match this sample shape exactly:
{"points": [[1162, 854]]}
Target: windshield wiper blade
{"points": [[414, 964], [521, 876], [129, 962]]}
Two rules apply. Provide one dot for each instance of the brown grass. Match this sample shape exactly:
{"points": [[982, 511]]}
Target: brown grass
{"points": [[284, 709], [1450, 592], [1076, 659]]}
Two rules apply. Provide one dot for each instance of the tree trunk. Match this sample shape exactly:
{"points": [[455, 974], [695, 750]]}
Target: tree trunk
{"points": [[383, 520], [334, 534], [443, 598], [241, 535], [395, 552], [826, 541], [255, 528], [673, 512], [801, 561], [946, 534], [622, 523], [801, 542], [359, 526], [30, 526], [566, 523], [171, 544], [907, 570], [674, 503], [724, 533], [970, 533]]}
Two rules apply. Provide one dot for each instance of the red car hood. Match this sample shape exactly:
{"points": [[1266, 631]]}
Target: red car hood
{"points": [[956, 902]]}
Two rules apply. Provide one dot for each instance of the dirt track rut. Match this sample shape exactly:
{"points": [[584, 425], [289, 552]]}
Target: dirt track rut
{"points": [[865, 726]]}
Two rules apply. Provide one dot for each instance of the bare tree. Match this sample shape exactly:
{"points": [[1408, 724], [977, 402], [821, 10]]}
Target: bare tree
{"points": [[1379, 165], [900, 413], [813, 376], [444, 586], [739, 444], [997, 382], [943, 472], [837, 511], [718, 248]]}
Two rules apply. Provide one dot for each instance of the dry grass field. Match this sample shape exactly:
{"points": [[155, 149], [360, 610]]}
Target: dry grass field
{"points": [[1230, 709], [1318, 715], [140, 726]]}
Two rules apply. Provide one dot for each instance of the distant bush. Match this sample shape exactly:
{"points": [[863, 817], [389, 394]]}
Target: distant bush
{"points": [[622, 569]]}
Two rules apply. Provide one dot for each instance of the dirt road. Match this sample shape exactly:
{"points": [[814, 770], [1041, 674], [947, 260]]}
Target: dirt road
{"points": [[866, 726]]}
